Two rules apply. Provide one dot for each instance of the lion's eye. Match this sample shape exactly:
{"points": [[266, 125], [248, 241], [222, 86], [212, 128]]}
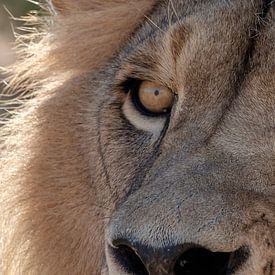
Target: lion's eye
{"points": [[153, 98], [147, 105]]}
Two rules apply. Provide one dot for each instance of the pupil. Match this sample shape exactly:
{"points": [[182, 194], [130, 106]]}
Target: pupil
{"points": [[156, 92]]}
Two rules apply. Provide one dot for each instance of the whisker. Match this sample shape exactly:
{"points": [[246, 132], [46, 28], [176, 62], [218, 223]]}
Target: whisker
{"points": [[174, 10], [169, 16], [153, 23]]}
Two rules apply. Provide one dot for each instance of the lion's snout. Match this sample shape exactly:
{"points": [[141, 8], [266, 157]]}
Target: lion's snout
{"points": [[150, 247], [190, 224]]}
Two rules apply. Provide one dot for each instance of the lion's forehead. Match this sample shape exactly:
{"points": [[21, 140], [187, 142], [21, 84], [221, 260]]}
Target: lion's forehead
{"points": [[219, 58]]}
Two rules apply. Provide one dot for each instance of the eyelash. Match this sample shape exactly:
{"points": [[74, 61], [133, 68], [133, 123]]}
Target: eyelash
{"points": [[130, 84]]}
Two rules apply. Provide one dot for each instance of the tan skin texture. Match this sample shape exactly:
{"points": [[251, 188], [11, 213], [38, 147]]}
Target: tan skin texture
{"points": [[82, 168]]}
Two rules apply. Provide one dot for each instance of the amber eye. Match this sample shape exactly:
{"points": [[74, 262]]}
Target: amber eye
{"points": [[155, 98]]}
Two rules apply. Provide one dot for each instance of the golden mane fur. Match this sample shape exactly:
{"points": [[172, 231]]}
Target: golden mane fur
{"points": [[53, 46], [79, 38]]}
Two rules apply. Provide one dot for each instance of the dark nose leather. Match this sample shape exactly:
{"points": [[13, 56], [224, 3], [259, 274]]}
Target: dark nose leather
{"points": [[182, 259]]}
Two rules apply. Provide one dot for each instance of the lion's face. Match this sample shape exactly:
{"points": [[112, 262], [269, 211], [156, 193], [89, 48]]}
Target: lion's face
{"points": [[160, 161], [187, 140]]}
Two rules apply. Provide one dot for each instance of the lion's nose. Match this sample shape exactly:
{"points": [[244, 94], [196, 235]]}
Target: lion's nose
{"points": [[178, 260]]}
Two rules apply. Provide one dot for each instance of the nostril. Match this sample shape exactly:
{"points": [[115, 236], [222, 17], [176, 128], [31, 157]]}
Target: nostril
{"points": [[200, 261], [128, 259], [184, 259]]}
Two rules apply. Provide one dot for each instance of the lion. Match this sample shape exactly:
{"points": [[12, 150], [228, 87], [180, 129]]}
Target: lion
{"points": [[143, 141]]}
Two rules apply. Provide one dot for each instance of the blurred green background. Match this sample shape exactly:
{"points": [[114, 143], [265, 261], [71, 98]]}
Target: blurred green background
{"points": [[17, 8], [8, 10]]}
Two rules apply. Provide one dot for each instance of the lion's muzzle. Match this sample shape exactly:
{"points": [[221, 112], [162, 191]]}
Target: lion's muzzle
{"points": [[194, 222]]}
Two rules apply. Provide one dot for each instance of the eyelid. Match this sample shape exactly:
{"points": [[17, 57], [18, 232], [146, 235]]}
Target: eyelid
{"points": [[153, 124], [126, 85]]}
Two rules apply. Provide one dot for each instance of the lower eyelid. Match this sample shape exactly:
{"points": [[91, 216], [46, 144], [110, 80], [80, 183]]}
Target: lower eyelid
{"points": [[152, 124]]}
